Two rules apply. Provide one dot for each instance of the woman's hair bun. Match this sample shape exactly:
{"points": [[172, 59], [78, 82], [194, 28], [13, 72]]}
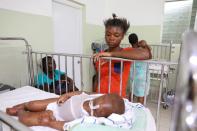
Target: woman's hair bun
{"points": [[114, 15]]}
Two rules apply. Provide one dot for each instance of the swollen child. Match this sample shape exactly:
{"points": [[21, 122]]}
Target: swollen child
{"points": [[57, 112]]}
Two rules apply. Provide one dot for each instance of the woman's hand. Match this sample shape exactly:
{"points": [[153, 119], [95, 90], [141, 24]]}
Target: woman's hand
{"points": [[102, 54]]}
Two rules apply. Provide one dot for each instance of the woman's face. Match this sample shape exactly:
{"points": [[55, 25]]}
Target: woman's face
{"points": [[113, 36]]}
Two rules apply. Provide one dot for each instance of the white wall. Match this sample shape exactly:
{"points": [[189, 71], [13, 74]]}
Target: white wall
{"points": [[39, 7], [138, 12], [95, 11]]}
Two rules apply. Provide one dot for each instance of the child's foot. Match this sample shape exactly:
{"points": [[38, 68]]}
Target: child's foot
{"points": [[13, 111]]}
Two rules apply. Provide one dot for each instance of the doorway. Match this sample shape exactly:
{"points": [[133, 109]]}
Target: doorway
{"points": [[67, 26]]}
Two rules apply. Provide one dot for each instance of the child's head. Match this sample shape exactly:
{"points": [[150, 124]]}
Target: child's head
{"points": [[48, 63], [133, 40], [115, 29], [105, 105]]}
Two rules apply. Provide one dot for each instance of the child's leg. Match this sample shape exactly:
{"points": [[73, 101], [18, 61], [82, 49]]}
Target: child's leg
{"points": [[38, 105], [36, 118]]}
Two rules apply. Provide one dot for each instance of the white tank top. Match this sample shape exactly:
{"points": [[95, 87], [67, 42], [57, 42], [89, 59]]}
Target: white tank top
{"points": [[73, 107]]}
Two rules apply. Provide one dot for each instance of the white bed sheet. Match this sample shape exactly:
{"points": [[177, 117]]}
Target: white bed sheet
{"points": [[29, 93], [24, 94]]}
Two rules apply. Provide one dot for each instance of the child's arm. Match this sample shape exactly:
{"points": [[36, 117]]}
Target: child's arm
{"points": [[143, 44], [66, 96]]}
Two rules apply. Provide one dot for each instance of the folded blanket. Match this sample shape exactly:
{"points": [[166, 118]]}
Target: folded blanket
{"points": [[125, 120]]}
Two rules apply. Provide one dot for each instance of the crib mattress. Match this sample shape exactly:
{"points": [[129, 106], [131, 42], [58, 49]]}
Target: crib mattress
{"points": [[144, 120]]}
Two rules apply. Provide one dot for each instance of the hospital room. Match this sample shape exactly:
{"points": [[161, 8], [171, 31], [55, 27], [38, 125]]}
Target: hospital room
{"points": [[98, 65]]}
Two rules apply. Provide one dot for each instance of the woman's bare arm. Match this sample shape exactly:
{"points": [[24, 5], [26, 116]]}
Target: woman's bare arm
{"points": [[134, 54]]}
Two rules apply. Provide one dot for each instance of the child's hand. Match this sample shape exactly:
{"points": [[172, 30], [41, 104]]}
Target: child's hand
{"points": [[63, 98], [142, 44], [66, 96]]}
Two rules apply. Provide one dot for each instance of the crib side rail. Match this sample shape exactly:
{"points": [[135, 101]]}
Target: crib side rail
{"points": [[28, 51], [69, 61], [12, 123], [160, 51]]}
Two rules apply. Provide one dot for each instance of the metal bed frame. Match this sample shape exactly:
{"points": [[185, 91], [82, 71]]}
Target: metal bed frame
{"points": [[185, 112], [13, 123], [159, 51], [32, 63], [6, 120]]}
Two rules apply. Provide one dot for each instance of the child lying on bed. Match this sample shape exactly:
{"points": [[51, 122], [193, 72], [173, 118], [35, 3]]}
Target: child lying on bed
{"points": [[57, 112]]}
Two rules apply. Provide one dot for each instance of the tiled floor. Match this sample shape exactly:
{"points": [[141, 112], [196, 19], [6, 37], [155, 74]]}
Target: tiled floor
{"points": [[165, 116]]}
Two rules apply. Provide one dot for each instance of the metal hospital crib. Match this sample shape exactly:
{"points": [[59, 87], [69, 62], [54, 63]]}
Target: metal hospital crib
{"points": [[161, 51], [164, 52], [80, 69]]}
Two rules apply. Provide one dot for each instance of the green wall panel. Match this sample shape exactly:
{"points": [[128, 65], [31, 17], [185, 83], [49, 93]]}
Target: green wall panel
{"points": [[35, 28]]}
